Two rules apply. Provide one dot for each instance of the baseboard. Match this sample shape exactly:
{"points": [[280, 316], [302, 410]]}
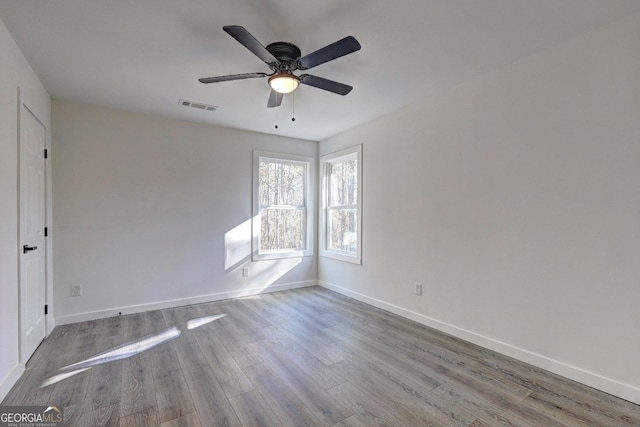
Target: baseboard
{"points": [[140, 308], [10, 380], [51, 324], [591, 379]]}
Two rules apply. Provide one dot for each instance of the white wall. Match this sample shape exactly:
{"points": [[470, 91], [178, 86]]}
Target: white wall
{"points": [[147, 210], [14, 72], [515, 199]]}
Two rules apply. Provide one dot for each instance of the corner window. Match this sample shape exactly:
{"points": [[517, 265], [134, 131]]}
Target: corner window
{"points": [[282, 208], [341, 214]]}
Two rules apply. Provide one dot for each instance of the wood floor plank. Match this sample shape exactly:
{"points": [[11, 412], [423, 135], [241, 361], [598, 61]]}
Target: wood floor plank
{"points": [[405, 399], [71, 415], [106, 416], [353, 341], [567, 411], [430, 335], [28, 390], [145, 418], [253, 410], [421, 364], [189, 420], [237, 317], [479, 406], [479, 423], [230, 326], [487, 374], [418, 346], [352, 421], [541, 381], [319, 348], [138, 325], [282, 400], [172, 391], [307, 315], [262, 306], [227, 372], [294, 326], [70, 391], [240, 350], [105, 386], [297, 356], [246, 307], [366, 409], [52, 349], [326, 353], [315, 397], [138, 390], [209, 399], [178, 317], [302, 357], [513, 407]]}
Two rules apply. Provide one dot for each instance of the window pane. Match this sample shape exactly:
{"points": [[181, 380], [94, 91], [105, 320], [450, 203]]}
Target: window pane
{"points": [[344, 183], [281, 229], [343, 229], [341, 222], [281, 183]]}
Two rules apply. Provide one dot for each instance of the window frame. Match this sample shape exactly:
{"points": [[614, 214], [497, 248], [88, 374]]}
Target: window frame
{"points": [[326, 162], [308, 212]]}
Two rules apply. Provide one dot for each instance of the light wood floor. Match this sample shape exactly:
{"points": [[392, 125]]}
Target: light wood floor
{"points": [[296, 358]]}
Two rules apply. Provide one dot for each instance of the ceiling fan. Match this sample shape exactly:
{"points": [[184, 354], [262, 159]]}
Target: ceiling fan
{"points": [[283, 59]]}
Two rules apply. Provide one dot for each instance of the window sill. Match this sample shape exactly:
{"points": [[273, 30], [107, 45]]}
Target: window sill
{"points": [[353, 259]]}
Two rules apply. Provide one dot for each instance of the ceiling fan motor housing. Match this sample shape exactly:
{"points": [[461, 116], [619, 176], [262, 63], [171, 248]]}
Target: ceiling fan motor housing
{"points": [[284, 51], [287, 55]]}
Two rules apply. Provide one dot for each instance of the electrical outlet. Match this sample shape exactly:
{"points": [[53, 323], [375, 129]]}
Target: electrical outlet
{"points": [[418, 288], [76, 290], [245, 271]]}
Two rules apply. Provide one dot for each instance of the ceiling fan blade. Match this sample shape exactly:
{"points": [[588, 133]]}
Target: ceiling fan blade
{"points": [[321, 83], [231, 77], [247, 40], [275, 99], [330, 52]]}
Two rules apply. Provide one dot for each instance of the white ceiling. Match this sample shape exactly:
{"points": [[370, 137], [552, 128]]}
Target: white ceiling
{"points": [[144, 55]]}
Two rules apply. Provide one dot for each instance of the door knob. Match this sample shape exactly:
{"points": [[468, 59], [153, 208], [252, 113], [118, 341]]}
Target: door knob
{"points": [[27, 248]]}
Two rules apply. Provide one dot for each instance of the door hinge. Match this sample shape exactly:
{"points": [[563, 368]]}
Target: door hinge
{"points": [[46, 153], [46, 309], [46, 231]]}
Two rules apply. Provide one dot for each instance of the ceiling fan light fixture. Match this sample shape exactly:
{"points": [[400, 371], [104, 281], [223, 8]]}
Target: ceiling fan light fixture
{"points": [[284, 82]]}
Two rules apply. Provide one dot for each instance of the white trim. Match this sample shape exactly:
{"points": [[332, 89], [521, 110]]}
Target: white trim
{"points": [[141, 308], [325, 160], [11, 379], [310, 196], [591, 379], [51, 322]]}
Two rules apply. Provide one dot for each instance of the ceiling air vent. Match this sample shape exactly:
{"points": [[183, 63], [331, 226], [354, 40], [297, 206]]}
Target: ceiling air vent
{"points": [[198, 105]]}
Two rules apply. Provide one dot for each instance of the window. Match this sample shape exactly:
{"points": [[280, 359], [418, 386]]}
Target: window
{"points": [[341, 221], [283, 208]]}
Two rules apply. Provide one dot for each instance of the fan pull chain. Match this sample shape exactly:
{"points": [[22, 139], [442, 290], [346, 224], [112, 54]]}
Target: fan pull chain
{"points": [[277, 109], [276, 118], [293, 103]]}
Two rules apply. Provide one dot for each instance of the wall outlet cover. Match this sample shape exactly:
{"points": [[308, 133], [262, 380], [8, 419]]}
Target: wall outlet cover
{"points": [[76, 290]]}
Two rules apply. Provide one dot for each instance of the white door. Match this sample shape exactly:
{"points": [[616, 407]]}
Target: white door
{"points": [[32, 241]]}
